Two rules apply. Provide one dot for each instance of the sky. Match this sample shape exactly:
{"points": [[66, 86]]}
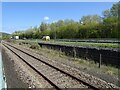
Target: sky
{"points": [[22, 15]]}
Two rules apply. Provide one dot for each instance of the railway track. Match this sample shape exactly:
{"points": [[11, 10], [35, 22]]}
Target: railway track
{"points": [[55, 76]]}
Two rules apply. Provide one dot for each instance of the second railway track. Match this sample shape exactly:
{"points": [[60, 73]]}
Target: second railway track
{"points": [[56, 77]]}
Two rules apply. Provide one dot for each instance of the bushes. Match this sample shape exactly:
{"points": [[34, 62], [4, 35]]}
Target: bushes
{"points": [[34, 46], [90, 26]]}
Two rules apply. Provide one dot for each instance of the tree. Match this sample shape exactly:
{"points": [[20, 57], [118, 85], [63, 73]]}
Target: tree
{"points": [[43, 26], [70, 31], [114, 10], [90, 26], [110, 22], [91, 19], [106, 13]]}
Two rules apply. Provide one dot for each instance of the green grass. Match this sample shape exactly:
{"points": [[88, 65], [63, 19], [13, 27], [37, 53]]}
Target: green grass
{"points": [[86, 44], [87, 64]]}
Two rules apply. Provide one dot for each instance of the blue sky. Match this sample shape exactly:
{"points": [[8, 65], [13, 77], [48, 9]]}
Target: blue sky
{"points": [[22, 15]]}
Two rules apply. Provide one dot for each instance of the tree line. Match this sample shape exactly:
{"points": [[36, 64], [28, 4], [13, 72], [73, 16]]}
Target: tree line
{"points": [[90, 26]]}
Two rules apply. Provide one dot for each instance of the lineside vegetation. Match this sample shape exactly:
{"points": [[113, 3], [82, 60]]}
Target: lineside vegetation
{"points": [[90, 26]]}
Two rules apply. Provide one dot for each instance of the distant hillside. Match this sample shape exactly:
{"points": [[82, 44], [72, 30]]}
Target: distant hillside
{"points": [[2, 34]]}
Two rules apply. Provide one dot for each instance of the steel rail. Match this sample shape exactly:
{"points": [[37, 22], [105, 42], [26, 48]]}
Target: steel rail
{"points": [[34, 69], [85, 83]]}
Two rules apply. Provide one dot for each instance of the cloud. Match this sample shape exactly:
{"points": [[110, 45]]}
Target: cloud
{"points": [[46, 18]]}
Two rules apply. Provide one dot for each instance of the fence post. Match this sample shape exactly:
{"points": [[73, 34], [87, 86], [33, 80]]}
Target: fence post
{"points": [[60, 52], [100, 61], [74, 52]]}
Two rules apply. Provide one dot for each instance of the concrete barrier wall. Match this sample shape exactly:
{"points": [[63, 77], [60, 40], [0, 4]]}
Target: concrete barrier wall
{"points": [[108, 56]]}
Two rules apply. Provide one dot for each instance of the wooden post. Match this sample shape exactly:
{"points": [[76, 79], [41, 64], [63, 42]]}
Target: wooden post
{"points": [[74, 52], [60, 52], [100, 61]]}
